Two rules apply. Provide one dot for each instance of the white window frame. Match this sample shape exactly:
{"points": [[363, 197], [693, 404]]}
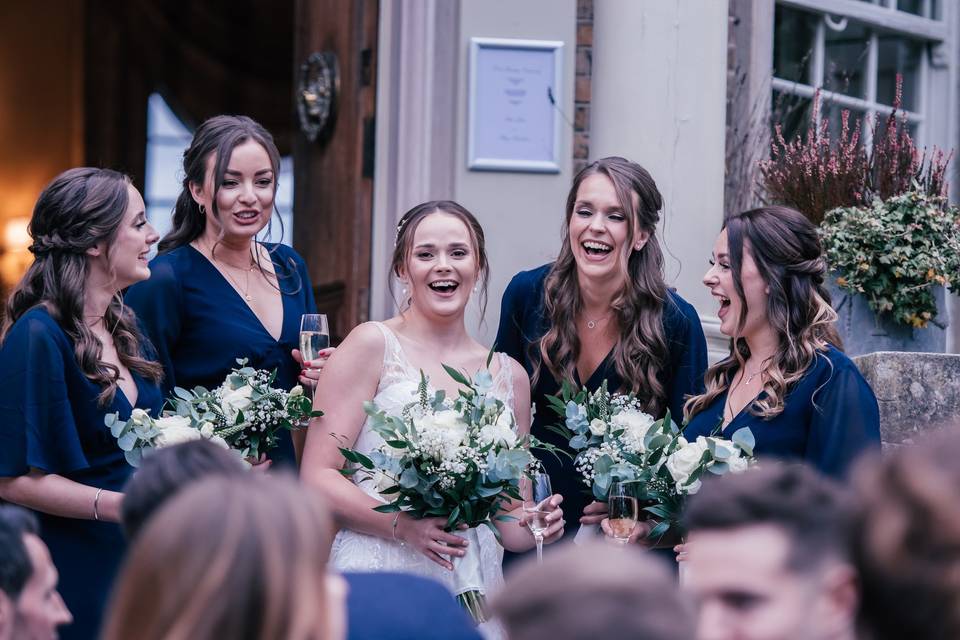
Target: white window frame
{"points": [[882, 15]]}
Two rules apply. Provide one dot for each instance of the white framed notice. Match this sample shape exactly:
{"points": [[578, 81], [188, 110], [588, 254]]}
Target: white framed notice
{"points": [[514, 124]]}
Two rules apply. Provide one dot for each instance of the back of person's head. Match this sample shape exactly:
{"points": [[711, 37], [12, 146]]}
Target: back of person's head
{"points": [[168, 470], [230, 557], [593, 592], [814, 512], [908, 540], [15, 565], [768, 556]]}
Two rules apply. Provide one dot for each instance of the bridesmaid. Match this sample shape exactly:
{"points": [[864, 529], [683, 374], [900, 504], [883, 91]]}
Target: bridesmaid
{"points": [[786, 377], [216, 293], [72, 353], [602, 311]]}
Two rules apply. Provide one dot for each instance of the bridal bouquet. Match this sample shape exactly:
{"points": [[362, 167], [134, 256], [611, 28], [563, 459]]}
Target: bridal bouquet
{"points": [[244, 413], [458, 459], [616, 440]]}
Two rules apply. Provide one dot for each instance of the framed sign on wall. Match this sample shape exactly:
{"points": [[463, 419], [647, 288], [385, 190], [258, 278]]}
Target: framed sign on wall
{"points": [[514, 123]]}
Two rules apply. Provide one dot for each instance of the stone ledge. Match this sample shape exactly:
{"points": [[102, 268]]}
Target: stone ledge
{"points": [[917, 392]]}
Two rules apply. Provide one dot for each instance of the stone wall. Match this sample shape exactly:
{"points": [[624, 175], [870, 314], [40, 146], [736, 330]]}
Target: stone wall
{"points": [[584, 68], [917, 392]]}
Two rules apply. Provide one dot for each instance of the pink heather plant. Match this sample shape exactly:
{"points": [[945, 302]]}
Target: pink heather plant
{"points": [[815, 174]]}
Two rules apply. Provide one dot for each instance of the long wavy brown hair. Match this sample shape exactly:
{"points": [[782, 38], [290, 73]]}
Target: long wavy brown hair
{"points": [[641, 349], [79, 209], [787, 251]]}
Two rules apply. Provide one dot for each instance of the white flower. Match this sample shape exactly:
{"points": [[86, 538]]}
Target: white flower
{"points": [[234, 401], [598, 427], [498, 434], [634, 422], [724, 449], [168, 422], [296, 391], [220, 441], [685, 460], [175, 435], [506, 419], [738, 464], [206, 430], [139, 415], [689, 489]]}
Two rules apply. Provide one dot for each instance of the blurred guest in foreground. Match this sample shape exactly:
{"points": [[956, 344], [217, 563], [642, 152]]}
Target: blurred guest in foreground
{"points": [[379, 605], [908, 541], [592, 592], [243, 558], [30, 606], [768, 557]]}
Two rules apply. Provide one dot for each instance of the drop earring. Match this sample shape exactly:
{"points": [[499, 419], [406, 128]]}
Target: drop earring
{"points": [[203, 210]]}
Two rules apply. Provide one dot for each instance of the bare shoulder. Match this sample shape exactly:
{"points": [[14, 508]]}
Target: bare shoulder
{"points": [[363, 345]]}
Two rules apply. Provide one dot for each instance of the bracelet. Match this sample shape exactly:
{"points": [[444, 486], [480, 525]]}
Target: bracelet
{"points": [[96, 505], [396, 519]]}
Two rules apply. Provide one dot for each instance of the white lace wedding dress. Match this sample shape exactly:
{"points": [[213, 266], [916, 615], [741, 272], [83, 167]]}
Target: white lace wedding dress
{"points": [[354, 551]]}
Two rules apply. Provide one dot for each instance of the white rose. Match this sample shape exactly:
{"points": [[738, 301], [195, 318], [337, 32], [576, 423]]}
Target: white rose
{"points": [[234, 401], [206, 430], [139, 415], [685, 460], [452, 424], [738, 464], [296, 391], [689, 489], [498, 434], [598, 427], [724, 449], [634, 422], [167, 422], [175, 434]]}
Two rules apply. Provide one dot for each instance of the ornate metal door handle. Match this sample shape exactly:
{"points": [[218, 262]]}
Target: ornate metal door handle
{"points": [[317, 94]]}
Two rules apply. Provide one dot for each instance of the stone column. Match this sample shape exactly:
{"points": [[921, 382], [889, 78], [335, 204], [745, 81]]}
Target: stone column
{"points": [[659, 98]]}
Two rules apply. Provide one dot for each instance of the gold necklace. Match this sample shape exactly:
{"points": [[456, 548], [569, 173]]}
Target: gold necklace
{"points": [[246, 270]]}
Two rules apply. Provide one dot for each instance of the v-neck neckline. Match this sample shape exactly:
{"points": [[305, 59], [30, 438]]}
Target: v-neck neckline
{"points": [[603, 366], [136, 385], [240, 298], [744, 409]]}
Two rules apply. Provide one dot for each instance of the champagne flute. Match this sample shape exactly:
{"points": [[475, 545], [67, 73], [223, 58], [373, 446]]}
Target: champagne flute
{"points": [[314, 335], [624, 510], [536, 491]]}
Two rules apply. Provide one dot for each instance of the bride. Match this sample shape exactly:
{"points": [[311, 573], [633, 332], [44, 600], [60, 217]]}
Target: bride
{"points": [[439, 259]]}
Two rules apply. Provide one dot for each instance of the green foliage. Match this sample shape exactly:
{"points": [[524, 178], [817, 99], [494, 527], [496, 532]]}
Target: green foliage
{"points": [[895, 252]]}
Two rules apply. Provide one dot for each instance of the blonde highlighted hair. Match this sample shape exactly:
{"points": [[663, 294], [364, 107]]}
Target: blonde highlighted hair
{"points": [[787, 251], [229, 557]]}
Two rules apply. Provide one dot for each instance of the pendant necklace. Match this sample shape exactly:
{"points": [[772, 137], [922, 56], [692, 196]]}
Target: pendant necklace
{"points": [[245, 290], [592, 324]]}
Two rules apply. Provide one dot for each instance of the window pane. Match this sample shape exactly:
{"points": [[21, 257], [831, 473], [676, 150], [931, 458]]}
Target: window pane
{"points": [[790, 111], [845, 59], [833, 114], [793, 44], [898, 55]]}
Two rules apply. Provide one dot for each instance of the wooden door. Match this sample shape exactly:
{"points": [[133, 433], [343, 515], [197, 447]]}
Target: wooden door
{"points": [[333, 176]]}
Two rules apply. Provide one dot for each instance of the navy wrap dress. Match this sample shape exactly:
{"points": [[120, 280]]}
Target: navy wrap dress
{"points": [[830, 417], [52, 422], [200, 325]]}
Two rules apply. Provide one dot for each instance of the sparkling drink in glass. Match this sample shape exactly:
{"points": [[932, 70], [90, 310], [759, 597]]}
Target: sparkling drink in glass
{"points": [[314, 335], [624, 511], [536, 491]]}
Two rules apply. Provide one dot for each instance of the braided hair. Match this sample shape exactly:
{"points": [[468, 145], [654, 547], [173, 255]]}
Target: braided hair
{"points": [[79, 209], [787, 251]]}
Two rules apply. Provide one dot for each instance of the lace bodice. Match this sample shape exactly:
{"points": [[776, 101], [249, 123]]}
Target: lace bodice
{"points": [[353, 551]]}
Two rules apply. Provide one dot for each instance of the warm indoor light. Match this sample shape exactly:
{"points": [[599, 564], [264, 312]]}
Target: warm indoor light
{"points": [[14, 254]]}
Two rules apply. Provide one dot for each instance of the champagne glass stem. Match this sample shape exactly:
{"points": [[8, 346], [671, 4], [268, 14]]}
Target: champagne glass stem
{"points": [[539, 539]]}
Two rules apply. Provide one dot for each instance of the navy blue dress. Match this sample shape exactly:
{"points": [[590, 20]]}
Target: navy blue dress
{"points": [[51, 422], [523, 322], [829, 417], [200, 325]]}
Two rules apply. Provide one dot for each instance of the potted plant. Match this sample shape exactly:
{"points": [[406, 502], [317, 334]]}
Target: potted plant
{"points": [[890, 237]]}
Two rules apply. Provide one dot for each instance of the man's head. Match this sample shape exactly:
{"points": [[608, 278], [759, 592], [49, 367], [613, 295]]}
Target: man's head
{"points": [[593, 591], [30, 606], [769, 557], [168, 470]]}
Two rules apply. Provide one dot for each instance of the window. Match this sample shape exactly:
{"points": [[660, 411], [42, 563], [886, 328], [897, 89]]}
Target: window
{"points": [[854, 58], [167, 138]]}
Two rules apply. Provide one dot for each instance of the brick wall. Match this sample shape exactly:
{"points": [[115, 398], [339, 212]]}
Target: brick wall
{"points": [[582, 79]]}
